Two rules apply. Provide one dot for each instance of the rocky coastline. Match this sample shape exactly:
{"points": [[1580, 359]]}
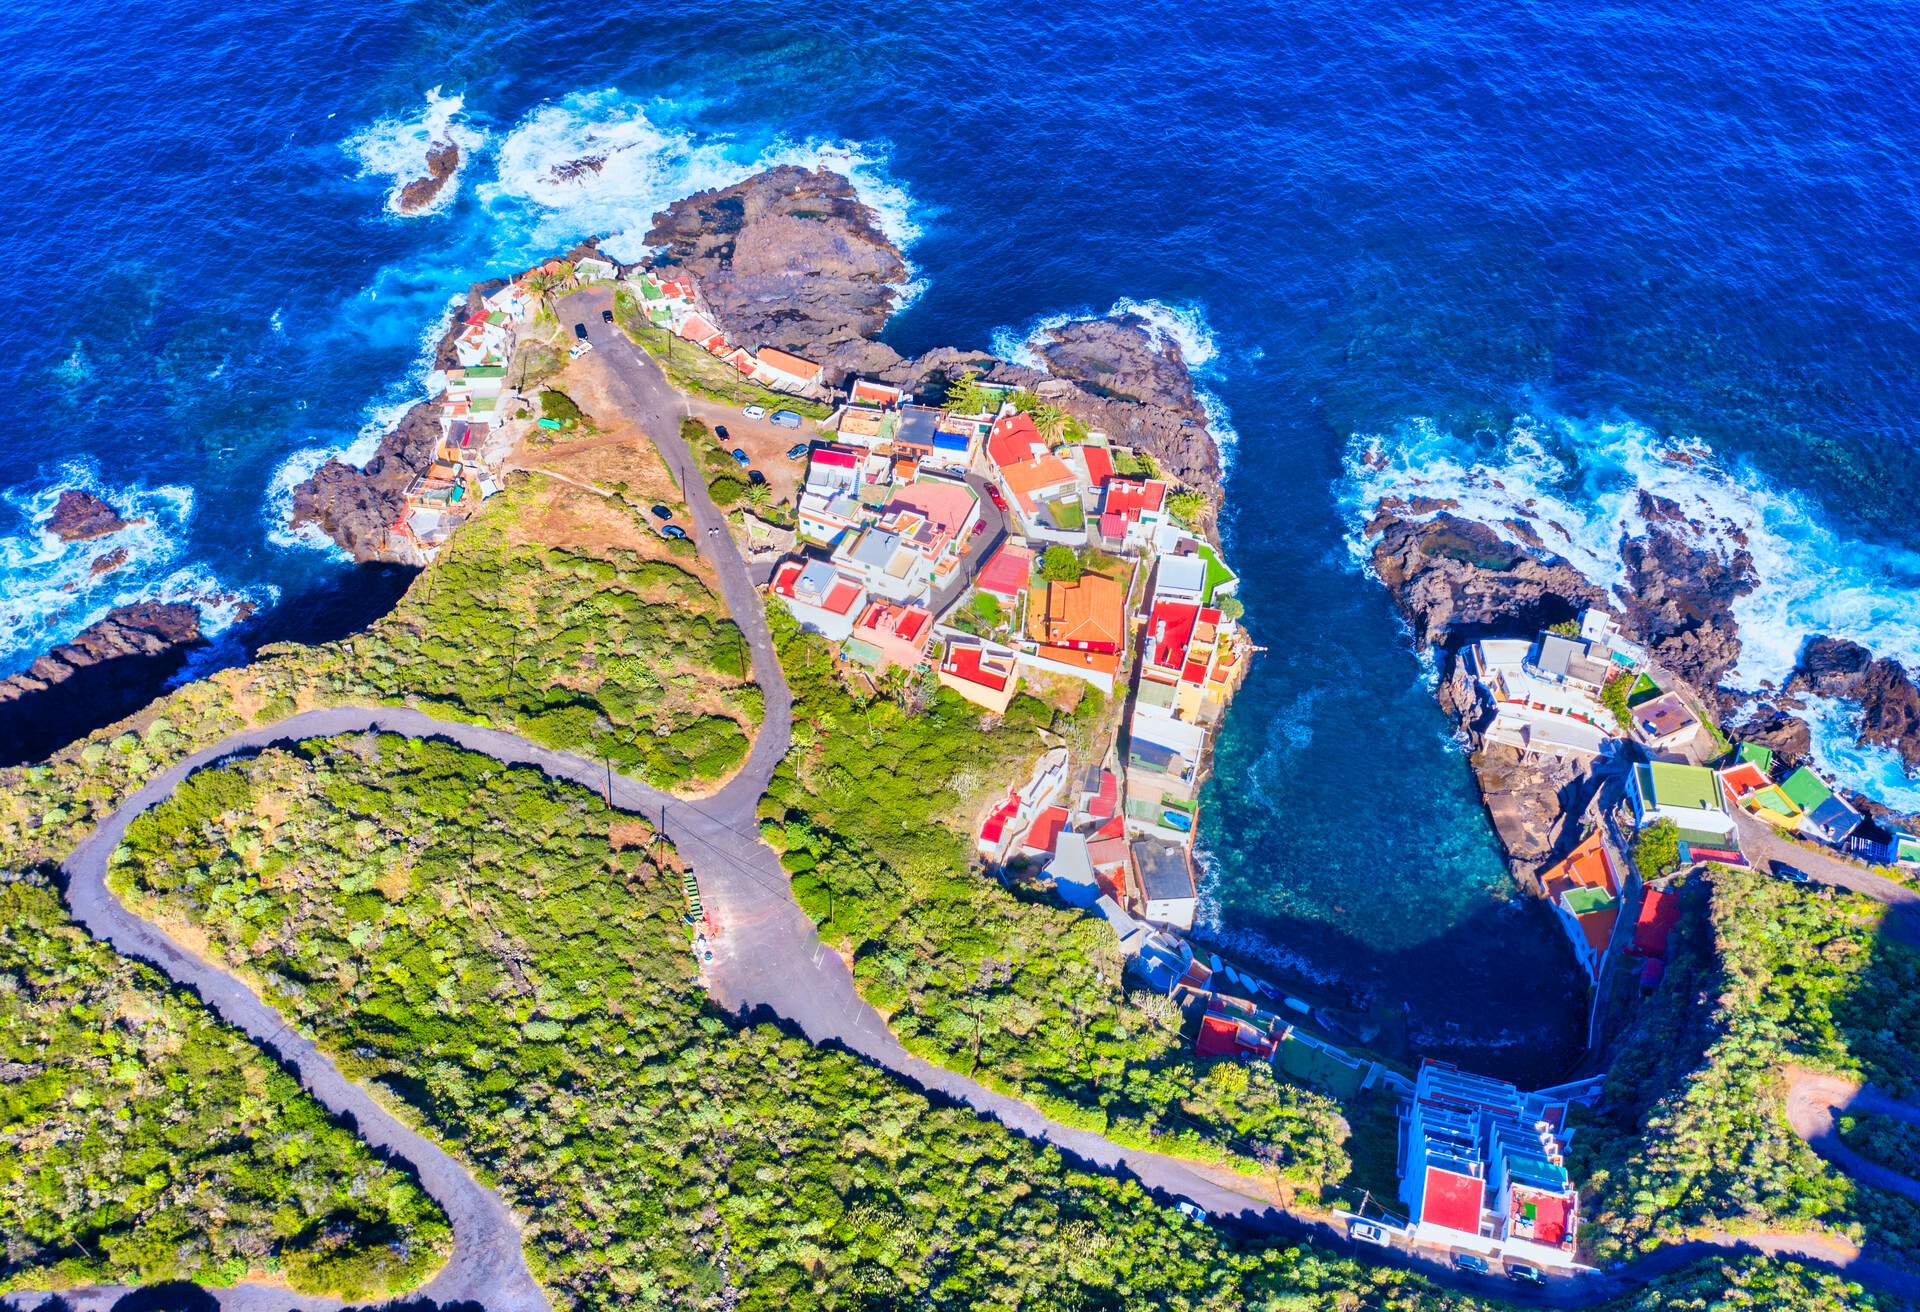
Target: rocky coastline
{"points": [[1456, 580], [442, 162], [110, 669]]}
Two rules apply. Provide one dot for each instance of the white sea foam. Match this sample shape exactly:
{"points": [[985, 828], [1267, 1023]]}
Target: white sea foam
{"points": [[1182, 323], [1576, 484], [382, 415], [49, 591], [642, 167], [1837, 752], [396, 148]]}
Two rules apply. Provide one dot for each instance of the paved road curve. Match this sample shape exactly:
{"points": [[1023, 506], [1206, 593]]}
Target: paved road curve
{"points": [[769, 962]]}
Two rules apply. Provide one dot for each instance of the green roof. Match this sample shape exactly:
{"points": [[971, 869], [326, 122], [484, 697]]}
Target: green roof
{"points": [[1217, 573], [1067, 514], [649, 291], [1330, 1069], [1755, 754], [1705, 838], [1804, 789], [1771, 799], [1583, 901], [1691, 786], [1643, 688], [486, 371]]}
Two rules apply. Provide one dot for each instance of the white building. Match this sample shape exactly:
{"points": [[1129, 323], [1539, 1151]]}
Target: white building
{"points": [[1688, 795], [1537, 709]]}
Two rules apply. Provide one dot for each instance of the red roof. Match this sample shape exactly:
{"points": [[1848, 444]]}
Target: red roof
{"points": [[1549, 1213], [1452, 1200], [1224, 1036], [1104, 852], [1013, 439], [1045, 833], [1099, 464], [1170, 630], [1107, 800], [1131, 500], [1006, 571], [963, 662], [996, 826], [1113, 526], [837, 456], [1113, 828], [1659, 913]]}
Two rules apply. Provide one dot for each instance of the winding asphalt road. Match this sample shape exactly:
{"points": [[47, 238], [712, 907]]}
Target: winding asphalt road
{"points": [[769, 964]]}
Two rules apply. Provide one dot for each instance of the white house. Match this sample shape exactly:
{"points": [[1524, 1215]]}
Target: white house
{"points": [[819, 596], [1535, 711], [594, 269]]}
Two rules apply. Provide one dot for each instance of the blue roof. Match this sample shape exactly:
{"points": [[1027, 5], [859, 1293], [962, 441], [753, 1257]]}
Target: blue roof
{"points": [[1835, 818], [943, 441]]}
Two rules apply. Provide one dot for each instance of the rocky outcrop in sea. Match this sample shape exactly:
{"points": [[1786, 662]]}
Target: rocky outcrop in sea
{"points": [[80, 516], [443, 161]]}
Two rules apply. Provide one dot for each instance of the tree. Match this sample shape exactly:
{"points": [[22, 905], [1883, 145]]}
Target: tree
{"points": [[1187, 507], [967, 395], [545, 288], [1060, 565], [758, 494], [1232, 608]]}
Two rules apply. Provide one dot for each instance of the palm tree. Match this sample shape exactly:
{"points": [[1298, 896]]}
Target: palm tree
{"points": [[758, 494], [544, 288], [1051, 421]]}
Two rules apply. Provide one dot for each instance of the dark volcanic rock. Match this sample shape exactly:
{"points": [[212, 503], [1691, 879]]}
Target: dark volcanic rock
{"points": [[108, 563], [575, 169], [1457, 580], [1888, 699], [78, 516], [790, 257], [1125, 359], [1782, 731], [110, 669], [357, 507], [1682, 595], [443, 161]]}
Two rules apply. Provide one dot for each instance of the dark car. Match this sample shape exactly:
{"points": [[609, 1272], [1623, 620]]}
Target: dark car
{"points": [[755, 477], [662, 512], [580, 331], [798, 451], [606, 316], [740, 454], [1472, 1262], [720, 431], [993, 495], [674, 531], [1792, 874], [1526, 1275]]}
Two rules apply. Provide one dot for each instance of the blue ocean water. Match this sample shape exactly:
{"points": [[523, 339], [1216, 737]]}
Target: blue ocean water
{"points": [[1503, 251]]}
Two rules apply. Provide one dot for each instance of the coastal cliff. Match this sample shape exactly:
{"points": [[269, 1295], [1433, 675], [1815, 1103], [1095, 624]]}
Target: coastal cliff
{"points": [[110, 668], [356, 506]]}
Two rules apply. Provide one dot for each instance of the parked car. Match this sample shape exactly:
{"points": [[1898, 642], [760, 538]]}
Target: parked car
{"points": [[756, 478], [1792, 874], [606, 316], [999, 502], [799, 451], [578, 349], [755, 412], [662, 512], [784, 418], [1526, 1275], [673, 531], [580, 331], [740, 455], [1192, 1211], [1369, 1233], [1472, 1262], [720, 431], [979, 527]]}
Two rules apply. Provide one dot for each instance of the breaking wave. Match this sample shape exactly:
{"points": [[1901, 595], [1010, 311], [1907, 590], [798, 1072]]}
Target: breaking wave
{"points": [[1576, 483], [49, 590], [1182, 323], [382, 415], [396, 148], [595, 162], [1875, 771]]}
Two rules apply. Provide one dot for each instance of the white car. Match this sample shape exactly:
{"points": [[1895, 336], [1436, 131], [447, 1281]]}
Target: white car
{"points": [[1369, 1233], [755, 412], [578, 349], [1192, 1211]]}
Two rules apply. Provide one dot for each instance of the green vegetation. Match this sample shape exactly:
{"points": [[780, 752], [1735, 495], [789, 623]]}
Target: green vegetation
{"points": [[560, 406], [1129, 463], [1613, 696], [1187, 507], [1232, 608], [1693, 1134], [1656, 849], [1565, 628], [1060, 565], [967, 395], [695, 370], [1023, 995], [1067, 514], [143, 1140], [1885, 1139]]}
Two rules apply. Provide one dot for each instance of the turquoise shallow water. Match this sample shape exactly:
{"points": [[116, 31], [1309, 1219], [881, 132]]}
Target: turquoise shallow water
{"points": [[1518, 246]]}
